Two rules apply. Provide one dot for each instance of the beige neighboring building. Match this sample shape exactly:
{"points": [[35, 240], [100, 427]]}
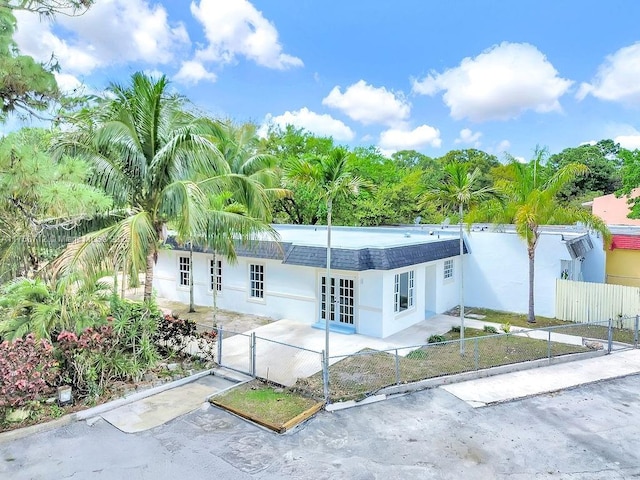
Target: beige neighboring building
{"points": [[614, 210]]}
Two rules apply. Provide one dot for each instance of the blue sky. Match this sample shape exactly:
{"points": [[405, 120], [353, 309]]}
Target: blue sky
{"points": [[499, 75]]}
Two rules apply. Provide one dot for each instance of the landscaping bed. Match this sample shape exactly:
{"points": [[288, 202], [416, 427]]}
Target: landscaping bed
{"points": [[131, 349], [271, 406]]}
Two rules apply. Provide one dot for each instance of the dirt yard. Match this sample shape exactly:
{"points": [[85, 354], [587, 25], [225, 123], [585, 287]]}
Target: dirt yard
{"points": [[203, 316]]}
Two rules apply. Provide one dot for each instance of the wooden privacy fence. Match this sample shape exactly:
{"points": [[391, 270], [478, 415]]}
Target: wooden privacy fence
{"points": [[589, 302]]}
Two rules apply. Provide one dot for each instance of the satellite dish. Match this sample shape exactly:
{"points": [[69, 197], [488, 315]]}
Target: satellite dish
{"points": [[417, 220], [446, 222]]}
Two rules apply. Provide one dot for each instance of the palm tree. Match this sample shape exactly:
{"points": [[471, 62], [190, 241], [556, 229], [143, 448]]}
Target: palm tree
{"points": [[330, 177], [459, 190], [158, 161], [531, 202]]}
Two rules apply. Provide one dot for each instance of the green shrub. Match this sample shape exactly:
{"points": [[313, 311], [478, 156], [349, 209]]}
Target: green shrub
{"points": [[436, 339], [28, 371], [490, 329], [456, 329], [506, 327], [418, 354]]}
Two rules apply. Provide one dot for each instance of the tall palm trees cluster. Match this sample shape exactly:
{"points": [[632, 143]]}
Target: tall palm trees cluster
{"points": [[139, 163]]}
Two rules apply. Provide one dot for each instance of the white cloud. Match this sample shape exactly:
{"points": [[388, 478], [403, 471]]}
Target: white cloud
{"points": [[468, 137], [499, 84], [503, 146], [617, 78], [369, 105], [405, 139], [630, 139], [192, 72], [319, 124], [236, 27], [111, 32]]}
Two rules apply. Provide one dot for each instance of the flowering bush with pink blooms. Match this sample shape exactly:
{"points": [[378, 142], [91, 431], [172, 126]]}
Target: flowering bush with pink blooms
{"points": [[28, 371]]}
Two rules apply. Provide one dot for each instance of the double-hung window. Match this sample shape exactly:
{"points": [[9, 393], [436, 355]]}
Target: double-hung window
{"points": [[404, 291], [215, 279], [256, 280]]}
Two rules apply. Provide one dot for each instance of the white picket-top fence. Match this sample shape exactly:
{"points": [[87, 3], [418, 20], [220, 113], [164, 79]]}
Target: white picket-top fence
{"points": [[588, 302]]}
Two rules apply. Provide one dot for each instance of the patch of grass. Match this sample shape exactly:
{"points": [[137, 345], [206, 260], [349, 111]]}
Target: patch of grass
{"points": [[368, 371], [515, 319], [264, 402]]}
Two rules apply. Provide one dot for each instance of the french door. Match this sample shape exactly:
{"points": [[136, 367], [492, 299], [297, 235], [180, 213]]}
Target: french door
{"points": [[341, 301]]}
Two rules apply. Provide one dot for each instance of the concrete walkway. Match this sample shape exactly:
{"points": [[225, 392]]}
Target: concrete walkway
{"points": [[525, 383], [158, 409]]}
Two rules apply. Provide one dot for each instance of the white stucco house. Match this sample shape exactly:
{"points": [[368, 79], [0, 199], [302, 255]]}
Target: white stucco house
{"points": [[383, 279]]}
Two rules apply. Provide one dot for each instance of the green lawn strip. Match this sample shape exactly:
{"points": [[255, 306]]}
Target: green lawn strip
{"points": [[515, 319], [572, 328], [356, 376], [265, 403]]}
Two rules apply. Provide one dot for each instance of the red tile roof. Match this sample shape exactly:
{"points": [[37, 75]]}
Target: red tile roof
{"points": [[625, 242]]}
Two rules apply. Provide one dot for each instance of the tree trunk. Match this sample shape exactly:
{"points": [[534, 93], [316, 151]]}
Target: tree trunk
{"points": [[531, 318], [191, 302], [148, 276]]}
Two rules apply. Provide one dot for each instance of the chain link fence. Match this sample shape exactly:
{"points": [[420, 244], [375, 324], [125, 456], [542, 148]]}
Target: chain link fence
{"points": [[365, 372], [277, 362]]}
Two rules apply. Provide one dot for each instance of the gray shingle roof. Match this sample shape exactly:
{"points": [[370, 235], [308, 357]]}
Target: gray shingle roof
{"points": [[345, 259]]}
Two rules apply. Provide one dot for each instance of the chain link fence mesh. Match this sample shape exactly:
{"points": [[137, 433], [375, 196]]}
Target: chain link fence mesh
{"points": [[365, 372]]}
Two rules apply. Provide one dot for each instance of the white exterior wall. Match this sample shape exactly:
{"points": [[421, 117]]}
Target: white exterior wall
{"points": [[594, 265], [293, 292], [496, 273]]}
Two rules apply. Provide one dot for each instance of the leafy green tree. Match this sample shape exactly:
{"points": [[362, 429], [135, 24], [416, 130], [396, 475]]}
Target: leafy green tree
{"points": [[160, 163], [531, 202], [41, 202], [460, 190], [473, 159], [26, 85], [602, 178], [630, 173], [300, 206]]}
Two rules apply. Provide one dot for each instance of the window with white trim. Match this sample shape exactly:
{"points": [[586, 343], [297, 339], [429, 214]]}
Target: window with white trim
{"points": [[256, 280], [448, 269], [184, 270], [404, 291], [215, 278]]}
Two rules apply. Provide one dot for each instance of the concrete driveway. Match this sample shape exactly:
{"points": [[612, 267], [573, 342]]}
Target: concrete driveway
{"points": [[277, 360], [586, 433]]}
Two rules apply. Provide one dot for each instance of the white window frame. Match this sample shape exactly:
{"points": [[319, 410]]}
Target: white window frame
{"points": [[411, 291], [448, 273], [256, 281], [215, 275], [184, 271]]}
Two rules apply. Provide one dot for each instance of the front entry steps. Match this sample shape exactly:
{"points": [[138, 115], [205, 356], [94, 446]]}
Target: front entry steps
{"points": [[343, 328]]}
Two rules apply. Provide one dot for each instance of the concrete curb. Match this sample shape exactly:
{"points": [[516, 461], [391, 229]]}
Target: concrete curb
{"points": [[99, 409]]}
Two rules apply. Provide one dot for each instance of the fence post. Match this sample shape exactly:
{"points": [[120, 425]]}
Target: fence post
{"points": [[219, 337], [549, 344], [252, 353], [325, 376], [476, 353], [610, 336], [635, 332], [397, 369]]}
